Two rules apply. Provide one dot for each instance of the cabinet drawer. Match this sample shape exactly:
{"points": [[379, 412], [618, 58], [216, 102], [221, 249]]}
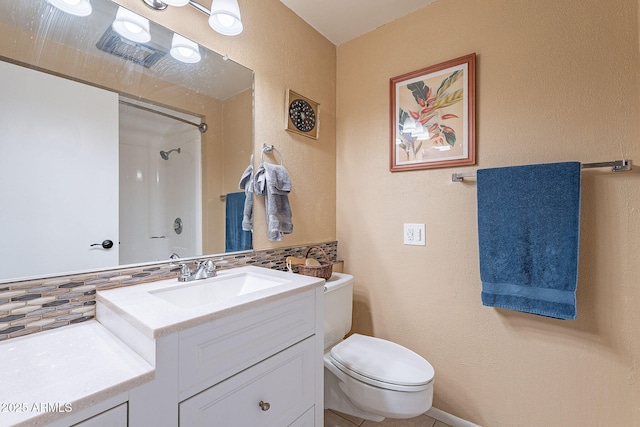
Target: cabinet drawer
{"points": [[274, 393], [213, 352], [114, 417]]}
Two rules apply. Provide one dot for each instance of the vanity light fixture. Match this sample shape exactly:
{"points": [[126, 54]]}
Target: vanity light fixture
{"points": [[418, 130], [74, 7], [420, 133], [224, 16], [178, 3], [184, 50], [131, 26], [409, 125], [424, 136]]}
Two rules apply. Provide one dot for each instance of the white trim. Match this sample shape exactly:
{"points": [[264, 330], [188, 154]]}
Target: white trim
{"points": [[449, 419]]}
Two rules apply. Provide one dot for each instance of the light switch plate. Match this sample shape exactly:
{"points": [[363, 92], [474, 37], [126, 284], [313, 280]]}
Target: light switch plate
{"points": [[414, 234]]}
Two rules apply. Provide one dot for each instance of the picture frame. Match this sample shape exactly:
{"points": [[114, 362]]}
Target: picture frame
{"points": [[302, 115], [432, 116]]}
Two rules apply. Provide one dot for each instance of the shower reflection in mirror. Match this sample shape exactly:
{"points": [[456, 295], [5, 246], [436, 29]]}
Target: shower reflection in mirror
{"points": [[158, 184]]}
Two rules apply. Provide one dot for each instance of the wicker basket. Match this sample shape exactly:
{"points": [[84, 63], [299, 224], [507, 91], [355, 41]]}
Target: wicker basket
{"points": [[323, 271]]}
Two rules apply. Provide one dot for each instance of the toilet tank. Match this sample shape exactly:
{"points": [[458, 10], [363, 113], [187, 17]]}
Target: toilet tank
{"points": [[338, 307]]}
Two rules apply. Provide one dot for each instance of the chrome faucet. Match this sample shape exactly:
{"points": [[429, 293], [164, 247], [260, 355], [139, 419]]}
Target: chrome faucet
{"points": [[204, 270]]}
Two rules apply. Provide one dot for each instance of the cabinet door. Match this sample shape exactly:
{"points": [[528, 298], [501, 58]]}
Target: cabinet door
{"points": [[58, 174], [305, 420], [273, 393], [114, 417]]}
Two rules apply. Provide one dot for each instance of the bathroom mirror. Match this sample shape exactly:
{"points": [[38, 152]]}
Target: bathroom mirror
{"points": [[106, 161]]}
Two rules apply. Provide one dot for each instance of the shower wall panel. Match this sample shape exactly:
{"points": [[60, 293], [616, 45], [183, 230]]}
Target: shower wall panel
{"points": [[155, 192]]}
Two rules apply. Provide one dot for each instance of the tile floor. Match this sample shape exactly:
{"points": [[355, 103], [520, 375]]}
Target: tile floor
{"points": [[336, 419]]}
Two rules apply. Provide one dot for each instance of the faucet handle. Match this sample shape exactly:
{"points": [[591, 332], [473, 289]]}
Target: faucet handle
{"points": [[209, 266], [185, 272]]}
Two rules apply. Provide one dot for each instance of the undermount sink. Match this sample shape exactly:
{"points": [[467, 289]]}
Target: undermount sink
{"points": [[214, 289]]}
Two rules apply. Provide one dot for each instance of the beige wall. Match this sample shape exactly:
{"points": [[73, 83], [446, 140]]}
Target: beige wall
{"points": [[284, 52], [226, 154], [556, 81]]}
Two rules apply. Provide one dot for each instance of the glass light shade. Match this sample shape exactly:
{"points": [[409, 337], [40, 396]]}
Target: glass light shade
{"points": [[225, 17], [74, 7], [131, 26], [184, 50], [409, 125], [176, 2]]}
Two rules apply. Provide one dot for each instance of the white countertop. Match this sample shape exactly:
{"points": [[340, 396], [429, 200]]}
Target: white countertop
{"points": [[156, 317], [74, 366]]}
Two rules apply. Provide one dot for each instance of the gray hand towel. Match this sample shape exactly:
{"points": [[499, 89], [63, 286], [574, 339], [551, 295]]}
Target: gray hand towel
{"points": [[246, 184], [274, 183]]}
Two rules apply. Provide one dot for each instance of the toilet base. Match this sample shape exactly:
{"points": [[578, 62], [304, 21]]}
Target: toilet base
{"points": [[371, 403], [334, 398]]}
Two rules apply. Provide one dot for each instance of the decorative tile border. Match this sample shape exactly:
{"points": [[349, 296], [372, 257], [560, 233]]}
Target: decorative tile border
{"points": [[37, 305]]}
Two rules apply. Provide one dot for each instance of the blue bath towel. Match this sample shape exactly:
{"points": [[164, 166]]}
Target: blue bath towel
{"points": [[236, 239], [529, 235]]}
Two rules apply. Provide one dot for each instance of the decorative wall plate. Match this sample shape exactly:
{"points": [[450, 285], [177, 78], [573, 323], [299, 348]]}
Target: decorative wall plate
{"points": [[303, 115]]}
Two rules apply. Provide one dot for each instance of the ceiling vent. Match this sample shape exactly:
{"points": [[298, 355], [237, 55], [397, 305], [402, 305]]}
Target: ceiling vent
{"points": [[146, 54]]}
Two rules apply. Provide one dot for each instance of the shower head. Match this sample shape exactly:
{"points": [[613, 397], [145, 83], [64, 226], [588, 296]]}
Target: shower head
{"points": [[165, 154]]}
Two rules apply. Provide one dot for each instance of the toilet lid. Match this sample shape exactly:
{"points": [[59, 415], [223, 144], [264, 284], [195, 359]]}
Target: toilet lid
{"points": [[382, 361]]}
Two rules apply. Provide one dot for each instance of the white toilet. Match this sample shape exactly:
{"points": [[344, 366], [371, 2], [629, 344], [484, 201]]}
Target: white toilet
{"points": [[368, 377]]}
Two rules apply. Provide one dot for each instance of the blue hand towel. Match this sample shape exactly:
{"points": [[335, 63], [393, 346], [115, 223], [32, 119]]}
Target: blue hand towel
{"points": [[236, 239], [529, 235]]}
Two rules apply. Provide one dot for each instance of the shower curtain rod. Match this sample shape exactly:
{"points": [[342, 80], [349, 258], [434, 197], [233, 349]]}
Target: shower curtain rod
{"points": [[616, 166], [202, 127]]}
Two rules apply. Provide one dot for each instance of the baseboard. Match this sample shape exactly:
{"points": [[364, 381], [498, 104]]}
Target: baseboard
{"points": [[448, 419]]}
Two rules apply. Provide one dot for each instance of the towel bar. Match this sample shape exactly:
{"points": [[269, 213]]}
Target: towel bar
{"points": [[616, 166]]}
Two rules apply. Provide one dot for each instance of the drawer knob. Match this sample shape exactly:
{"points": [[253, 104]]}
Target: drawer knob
{"points": [[264, 405]]}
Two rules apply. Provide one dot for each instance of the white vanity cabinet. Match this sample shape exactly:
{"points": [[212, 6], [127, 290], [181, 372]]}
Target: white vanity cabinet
{"points": [[257, 368], [252, 361]]}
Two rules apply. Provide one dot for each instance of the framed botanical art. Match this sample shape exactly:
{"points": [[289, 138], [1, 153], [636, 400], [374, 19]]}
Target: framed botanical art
{"points": [[433, 116]]}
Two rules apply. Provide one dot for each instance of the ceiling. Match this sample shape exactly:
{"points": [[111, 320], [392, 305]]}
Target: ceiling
{"points": [[343, 20]]}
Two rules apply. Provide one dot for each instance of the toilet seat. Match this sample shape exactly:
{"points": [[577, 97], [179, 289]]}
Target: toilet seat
{"points": [[382, 363]]}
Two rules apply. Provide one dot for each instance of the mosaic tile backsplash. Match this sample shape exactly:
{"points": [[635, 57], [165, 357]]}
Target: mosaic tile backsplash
{"points": [[36, 305]]}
